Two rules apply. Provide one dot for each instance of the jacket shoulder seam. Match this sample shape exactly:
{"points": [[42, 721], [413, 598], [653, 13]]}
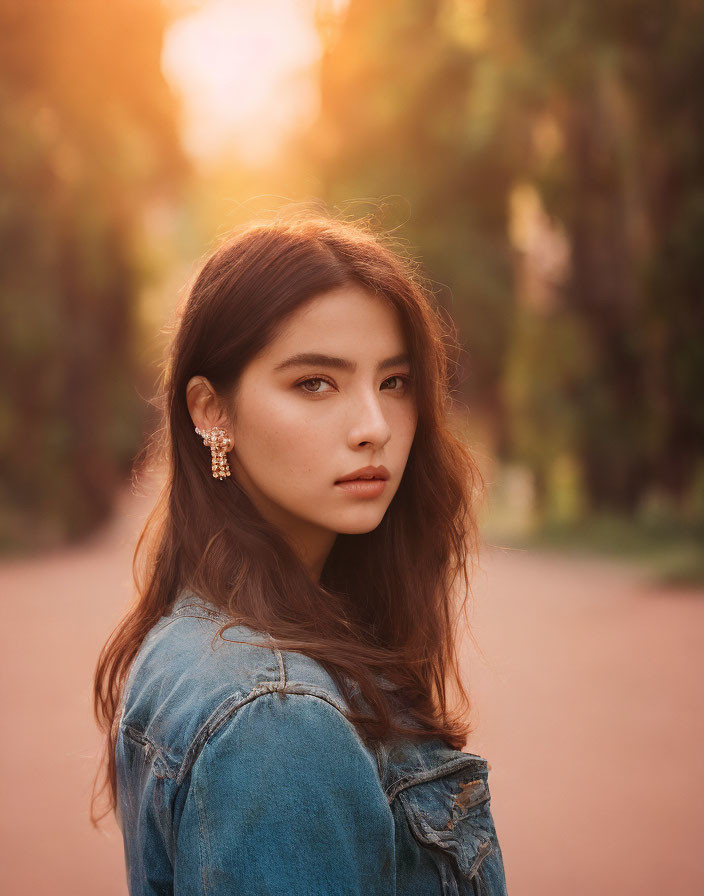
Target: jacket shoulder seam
{"points": [[231, 705]]}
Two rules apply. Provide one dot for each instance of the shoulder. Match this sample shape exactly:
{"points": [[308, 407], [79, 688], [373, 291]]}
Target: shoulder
{"points": [[285, 798], [298, 740], [188, 679]]}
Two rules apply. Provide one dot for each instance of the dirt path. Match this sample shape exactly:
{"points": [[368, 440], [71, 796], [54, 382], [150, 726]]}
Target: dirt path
{"points": [[588, 705], [591, 712], [55, 614]]}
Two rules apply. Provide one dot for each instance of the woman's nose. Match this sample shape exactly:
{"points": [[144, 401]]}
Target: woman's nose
{"points": [[369, 422]]}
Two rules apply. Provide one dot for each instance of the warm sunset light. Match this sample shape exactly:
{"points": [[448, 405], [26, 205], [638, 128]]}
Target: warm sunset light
{"points": [[507, 192], [245, 72]]}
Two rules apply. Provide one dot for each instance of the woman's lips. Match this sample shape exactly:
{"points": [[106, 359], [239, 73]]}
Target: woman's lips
{"points": [[363, 488]]}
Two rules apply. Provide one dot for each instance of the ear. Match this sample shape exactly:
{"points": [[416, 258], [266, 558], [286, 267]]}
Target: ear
{"points": [[204, 405]]}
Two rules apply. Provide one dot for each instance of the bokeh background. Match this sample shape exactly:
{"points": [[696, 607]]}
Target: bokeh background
{"points": [[543, 161]]}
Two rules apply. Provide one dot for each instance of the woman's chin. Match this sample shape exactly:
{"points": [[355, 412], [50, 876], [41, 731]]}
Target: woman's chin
{"points": [[359, 523]]}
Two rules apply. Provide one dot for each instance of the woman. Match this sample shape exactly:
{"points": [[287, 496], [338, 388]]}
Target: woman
{"points": [[276, 701]]}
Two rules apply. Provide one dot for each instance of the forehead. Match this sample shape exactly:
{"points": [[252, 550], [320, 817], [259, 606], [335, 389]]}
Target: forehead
{"points": [[348, 321]]}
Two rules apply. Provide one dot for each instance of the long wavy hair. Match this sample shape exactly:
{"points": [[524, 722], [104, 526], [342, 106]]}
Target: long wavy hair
{"points": [[384, 618]]}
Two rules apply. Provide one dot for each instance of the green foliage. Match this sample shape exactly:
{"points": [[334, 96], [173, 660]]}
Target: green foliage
{"points": [[546, 377], [414, 117], [440, 108], [89, 140], [618, 80]]}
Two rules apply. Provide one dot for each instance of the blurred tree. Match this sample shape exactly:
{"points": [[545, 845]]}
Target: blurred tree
{"points": [[617, 83], [412, 114], [89, 141], [452, 105]]}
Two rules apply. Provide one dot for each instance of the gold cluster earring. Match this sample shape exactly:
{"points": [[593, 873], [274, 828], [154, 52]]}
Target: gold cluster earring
{"points": [[219, 445]]}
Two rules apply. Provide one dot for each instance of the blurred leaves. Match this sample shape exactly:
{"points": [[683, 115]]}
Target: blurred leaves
{"points": [[584, 331], [90, 140]]}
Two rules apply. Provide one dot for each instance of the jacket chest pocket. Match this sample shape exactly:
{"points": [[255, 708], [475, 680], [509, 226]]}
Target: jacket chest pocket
{"points": [[447, 808]]}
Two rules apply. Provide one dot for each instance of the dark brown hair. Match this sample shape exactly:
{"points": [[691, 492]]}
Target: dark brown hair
{"points": [[387, 605]]}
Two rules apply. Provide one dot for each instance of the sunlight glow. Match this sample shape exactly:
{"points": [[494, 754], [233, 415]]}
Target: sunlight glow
{"points": [[245, 73]]}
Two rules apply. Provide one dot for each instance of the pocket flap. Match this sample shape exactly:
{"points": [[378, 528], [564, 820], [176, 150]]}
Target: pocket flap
{"points": [[450, 812]]}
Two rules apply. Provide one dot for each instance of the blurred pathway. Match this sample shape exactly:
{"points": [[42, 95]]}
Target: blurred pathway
{"points": [[590, 709], [55, 614], [588, 701]]}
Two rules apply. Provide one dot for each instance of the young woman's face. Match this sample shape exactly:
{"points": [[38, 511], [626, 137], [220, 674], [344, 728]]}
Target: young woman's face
{"points": [[300, 425]]}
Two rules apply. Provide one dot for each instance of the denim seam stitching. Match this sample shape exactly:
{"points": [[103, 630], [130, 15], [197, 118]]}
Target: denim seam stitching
{"points": [[438, 771], [282, 666], [231, 705], [202, 840], [130, 685], [151, 748]]}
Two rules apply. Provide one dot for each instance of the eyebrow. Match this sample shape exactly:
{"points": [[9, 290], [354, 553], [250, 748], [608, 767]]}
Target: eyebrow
{"points": [[316, 359]]}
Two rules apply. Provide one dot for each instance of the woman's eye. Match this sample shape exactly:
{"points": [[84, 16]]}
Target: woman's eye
{"points": [[315, 379], [403, 380]]}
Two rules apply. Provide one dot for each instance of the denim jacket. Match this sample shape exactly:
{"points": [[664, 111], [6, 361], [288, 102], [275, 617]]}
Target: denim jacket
{"points": [[237, 773]]}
